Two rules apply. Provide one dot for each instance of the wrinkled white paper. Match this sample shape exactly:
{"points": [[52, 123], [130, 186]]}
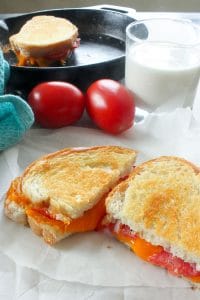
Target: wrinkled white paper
{"points": [[92, 263], [22, 283]]}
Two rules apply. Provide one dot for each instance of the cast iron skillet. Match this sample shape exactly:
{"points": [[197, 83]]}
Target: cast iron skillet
{"points": [[100, 55]]}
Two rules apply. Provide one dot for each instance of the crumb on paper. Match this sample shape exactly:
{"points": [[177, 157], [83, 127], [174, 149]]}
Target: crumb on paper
{"points": [[193, 288]]}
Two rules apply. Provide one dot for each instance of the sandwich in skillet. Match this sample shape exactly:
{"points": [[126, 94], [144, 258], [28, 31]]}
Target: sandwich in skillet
{"points": [[156, 212], [44, 40], [64, 192]]}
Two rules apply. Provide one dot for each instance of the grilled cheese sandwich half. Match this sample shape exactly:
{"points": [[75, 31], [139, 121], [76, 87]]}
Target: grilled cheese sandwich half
{"points": [[44, 40], [64, 192], [156, 213]]}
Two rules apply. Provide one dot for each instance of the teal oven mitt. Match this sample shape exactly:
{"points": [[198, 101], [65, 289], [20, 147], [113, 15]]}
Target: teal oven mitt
{"points": [[16, 115]]}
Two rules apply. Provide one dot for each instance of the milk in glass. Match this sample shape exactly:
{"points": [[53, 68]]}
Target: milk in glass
{"points": [[162, 74]]}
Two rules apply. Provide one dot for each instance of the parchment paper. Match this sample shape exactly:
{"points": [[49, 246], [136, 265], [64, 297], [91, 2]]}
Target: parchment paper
{"points": [[22, 283], [94, 259]]}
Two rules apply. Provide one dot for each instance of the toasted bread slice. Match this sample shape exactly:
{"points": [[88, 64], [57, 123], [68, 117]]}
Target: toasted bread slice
{"points": [[44, 39], [64, 192], [160, 204]]}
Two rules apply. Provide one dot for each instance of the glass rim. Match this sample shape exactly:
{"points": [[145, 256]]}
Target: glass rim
{"points": [[143, 21]]}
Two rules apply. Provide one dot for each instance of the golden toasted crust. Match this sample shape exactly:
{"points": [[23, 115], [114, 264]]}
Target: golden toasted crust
{"points": [[49, 233], [71, 181], [161, 201], [43, 34], [15, 211]]}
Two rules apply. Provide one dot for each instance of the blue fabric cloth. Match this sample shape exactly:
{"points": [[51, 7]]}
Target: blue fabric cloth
{"points": [[16, 115]]}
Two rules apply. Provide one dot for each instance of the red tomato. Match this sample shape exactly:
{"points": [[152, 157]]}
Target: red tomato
{"points": [[56, 104], [174, 265], [110, 105], [126, 231]]}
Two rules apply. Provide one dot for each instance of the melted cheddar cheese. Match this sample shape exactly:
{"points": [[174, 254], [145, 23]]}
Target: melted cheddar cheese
{"points": [[194, 279], [87, 222], [13, 194], [31, 61], [139, 246], [59, 57], [144, 249]]}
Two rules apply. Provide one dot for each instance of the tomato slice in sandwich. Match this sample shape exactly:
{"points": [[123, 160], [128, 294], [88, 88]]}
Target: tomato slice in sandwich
{"points": [[154, 254]]}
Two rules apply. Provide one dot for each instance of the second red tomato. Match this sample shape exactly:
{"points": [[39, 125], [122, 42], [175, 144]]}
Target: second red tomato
{"points": [[110, 105]]}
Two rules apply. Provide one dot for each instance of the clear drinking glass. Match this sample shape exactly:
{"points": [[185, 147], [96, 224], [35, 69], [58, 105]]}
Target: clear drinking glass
{"points": [[162, 63]]}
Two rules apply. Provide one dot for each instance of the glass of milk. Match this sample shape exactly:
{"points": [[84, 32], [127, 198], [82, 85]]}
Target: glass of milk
{"points": [[162, 63]]}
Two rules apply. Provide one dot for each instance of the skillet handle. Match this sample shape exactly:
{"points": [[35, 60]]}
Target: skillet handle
{"points": [[120, 9]]}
